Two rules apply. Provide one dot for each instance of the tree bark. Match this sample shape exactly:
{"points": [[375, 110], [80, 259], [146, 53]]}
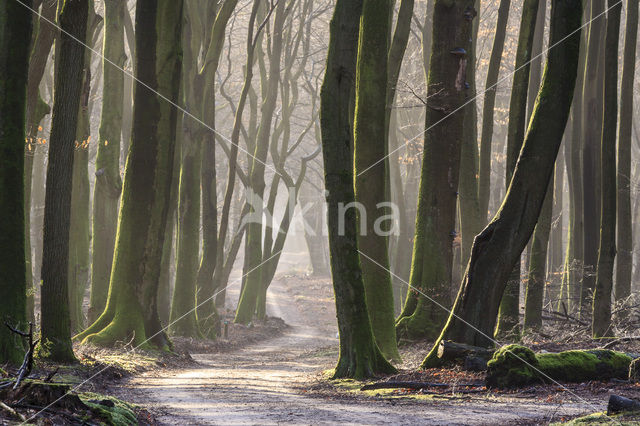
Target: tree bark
{"points": [[601, 325], [435, 223], [484, 183], [56, 334], [131, 310], [15, 38], [359, 355], [624, 261], [370, 172], [591, 133], [498, 247], [108, 183], [508, 317]]}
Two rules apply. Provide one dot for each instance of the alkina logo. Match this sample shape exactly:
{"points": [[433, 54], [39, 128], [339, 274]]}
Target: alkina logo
{"points": [[386, 221]]}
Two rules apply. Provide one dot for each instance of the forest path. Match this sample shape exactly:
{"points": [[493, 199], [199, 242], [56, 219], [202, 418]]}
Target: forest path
{"points": [[260, 385]]}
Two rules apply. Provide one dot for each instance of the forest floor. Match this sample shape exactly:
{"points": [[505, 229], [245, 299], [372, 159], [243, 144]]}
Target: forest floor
{"points": [[283, 379], [277, 371]]}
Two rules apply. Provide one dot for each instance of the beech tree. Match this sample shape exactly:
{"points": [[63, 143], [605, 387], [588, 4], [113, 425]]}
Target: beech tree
{"points": [[508, 319], [131, 309], [55, 343], [431, 267], [108, 183], [601, 325], [359, 354], [624, 261], [15, 39], [498, 247], [370, 145]]}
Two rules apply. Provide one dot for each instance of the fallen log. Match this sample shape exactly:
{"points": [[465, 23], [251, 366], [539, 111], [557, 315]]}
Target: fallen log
{"points": [[619, 404], [458, 352], [413, 385], [515, 365]]}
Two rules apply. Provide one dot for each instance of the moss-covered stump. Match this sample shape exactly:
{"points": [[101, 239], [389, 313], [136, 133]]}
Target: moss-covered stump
{"points": [[515, 365], [634, 371], [59, 399]]}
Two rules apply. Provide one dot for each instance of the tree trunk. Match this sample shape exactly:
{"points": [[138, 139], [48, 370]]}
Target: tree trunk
{"points": [[536, 281], [471, 218], [79, 232], [624, 261], [131, 310], [108, 183], [56, 342], [435, 223], [253, 249], [591, 134], [601, 325], [508, 317], [370, 172], [45, 34], [489, 106], [497, 249], [359, 354], [15, 38]]}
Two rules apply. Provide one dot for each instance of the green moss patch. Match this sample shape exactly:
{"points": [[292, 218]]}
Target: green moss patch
{"points": [[515, 365], [114, 411]]}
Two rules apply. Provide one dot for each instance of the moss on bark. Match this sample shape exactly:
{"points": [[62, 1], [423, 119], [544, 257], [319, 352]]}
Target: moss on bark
{"points": [[359, 354], [497, 249], [108, 183], [131, 310]]}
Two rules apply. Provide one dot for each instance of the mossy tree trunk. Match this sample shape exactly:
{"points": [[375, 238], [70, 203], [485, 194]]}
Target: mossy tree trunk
{"points": [[601, 325], [56, 334], [508, 317], [497, 249], [131, 310], [359, 354], [624, 262], [431, 267], [15, 38], [108, 183], [399, 246], [80, 231], [370, 173], [183, 318]]}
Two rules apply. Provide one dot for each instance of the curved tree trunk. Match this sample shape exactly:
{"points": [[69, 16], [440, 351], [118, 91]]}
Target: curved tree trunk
{"points": [[497, 249], [508, 318]]}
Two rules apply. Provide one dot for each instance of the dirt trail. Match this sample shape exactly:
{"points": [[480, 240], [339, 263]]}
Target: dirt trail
{"points": [[257, 385]]}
